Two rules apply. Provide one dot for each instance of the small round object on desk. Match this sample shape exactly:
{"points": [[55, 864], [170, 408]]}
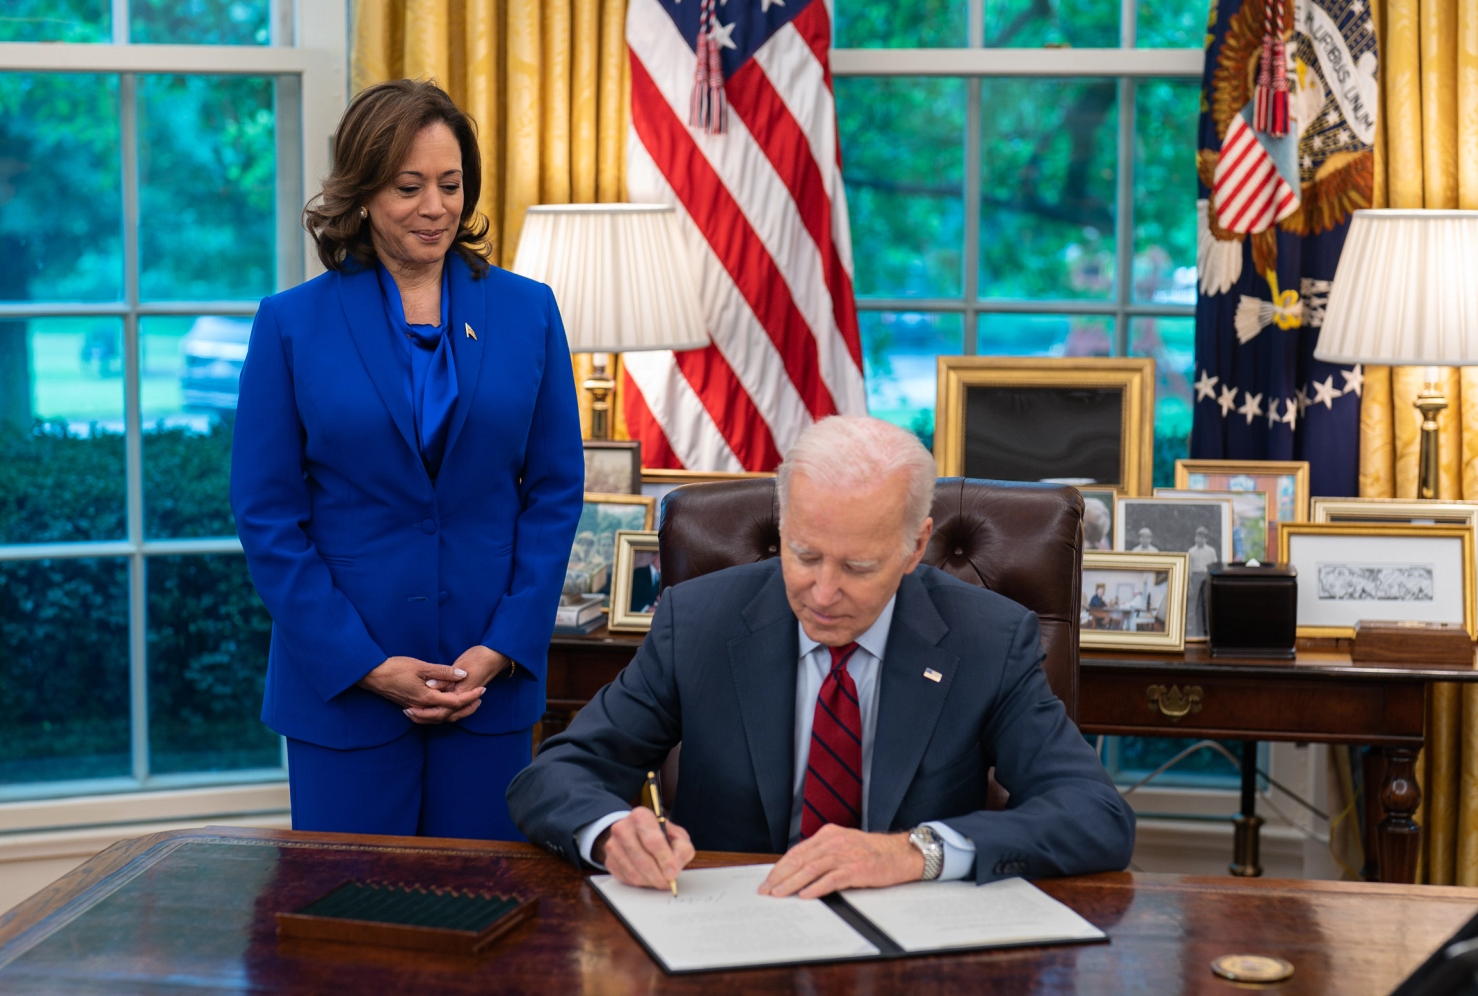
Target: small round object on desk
{"points": [[1252, 968]]}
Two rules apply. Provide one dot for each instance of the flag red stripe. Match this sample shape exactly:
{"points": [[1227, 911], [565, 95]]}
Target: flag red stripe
{"points": [[656, 448], [723, 224], [730, 406]]}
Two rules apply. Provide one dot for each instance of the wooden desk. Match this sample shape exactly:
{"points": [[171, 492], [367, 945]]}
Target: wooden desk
{"points": [[193, 910], [1318, 697]]}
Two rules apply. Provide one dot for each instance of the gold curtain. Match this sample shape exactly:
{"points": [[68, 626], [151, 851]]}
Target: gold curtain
{"points": [[1426, 156], [547, 83]]}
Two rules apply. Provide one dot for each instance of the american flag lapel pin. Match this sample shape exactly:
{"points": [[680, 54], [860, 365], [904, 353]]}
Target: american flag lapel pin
{"points": [[932, 675], [468, 329]]}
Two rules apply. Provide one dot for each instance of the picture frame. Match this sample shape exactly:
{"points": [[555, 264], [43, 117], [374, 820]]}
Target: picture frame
{"points": [[657, 482], [1144, 596], [1349, 572], [1408, 511], [1286, 483], [613, 466], [633, 596], [1174, 525], [594, 548], [1098, 517], [1071, 419], [1249, 519]]}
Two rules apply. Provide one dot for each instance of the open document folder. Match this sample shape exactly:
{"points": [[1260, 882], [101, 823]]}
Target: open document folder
{"points": [[719, 921]]}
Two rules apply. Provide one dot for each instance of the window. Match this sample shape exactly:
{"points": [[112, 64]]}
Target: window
{"points": [[1021, 181], [149, 197]]}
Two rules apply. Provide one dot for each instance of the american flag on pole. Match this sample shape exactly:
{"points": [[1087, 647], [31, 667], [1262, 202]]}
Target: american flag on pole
{"points": [[733, 121]]}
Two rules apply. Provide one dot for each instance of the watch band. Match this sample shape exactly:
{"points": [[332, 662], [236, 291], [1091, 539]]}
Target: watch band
{"points": [[931, 846]]}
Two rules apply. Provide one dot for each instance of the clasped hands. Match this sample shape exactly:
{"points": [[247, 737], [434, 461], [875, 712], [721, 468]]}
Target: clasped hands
{"points": [[637, 852], [437, 693]]}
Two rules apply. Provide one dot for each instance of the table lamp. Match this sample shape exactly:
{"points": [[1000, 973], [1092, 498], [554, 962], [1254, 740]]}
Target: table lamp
{"points": [[1406, 293], [622, 276]]}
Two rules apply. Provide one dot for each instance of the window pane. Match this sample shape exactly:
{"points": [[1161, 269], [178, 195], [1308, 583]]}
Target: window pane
{"points": [[1129, 759], [1164, 226], [208, 637], [899, 350], [64, 644], [899, 23], [906, 198], [1037, 24], [60, 197], [1047, 207], [56, 21], [1170, 23], [61, 430], [199, 22], [190, 366], [207, 168], [1046, 335], [1172, 343]]}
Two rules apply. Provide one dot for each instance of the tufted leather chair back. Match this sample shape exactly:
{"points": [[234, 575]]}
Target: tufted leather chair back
{"points": [[1023, 541]]}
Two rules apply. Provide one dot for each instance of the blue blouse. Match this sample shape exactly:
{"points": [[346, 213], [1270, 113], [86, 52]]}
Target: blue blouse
{"points": [[432, 384]]}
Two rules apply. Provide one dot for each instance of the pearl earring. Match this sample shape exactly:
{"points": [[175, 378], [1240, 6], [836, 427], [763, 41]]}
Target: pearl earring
{"points": [[363, 212]]}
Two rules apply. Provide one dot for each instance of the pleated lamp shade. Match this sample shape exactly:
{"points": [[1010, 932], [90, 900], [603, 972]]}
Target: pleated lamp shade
{"points": [[1405, 291], [620, 273]]}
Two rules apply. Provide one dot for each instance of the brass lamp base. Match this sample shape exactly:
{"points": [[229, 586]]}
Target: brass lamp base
{"points": [[1430, 402], [600, 385]]}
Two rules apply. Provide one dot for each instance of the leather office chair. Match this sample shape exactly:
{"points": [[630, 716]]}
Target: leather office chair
{"points": [[1023, 541]]}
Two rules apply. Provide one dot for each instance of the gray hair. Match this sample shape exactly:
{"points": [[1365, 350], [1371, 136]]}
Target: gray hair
{"points": [[849, 452]]}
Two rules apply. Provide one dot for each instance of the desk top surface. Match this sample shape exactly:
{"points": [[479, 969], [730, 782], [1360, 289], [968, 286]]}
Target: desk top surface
{"points": [[193, 911]]}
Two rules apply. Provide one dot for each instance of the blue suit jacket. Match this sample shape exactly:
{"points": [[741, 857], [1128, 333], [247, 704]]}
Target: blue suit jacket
{"points": [[357, 553], [718, 673]]}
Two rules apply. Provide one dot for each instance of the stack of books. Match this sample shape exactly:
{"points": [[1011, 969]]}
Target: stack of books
{"points": [[579, 613]]}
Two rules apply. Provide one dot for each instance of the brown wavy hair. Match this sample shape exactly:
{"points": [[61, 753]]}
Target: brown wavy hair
{"points": [[372, 140]]}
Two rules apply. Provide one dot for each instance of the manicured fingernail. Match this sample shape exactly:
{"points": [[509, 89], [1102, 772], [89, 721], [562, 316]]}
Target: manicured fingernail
{"points": [[459, 672], [407, 713], [431, 683]]}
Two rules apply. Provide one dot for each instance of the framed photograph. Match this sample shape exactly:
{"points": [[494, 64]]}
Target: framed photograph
{"points": [[657, 482], [1394, 510], [594, 549], [1098, 517], [637, 580], [1200, 528], [1353, 571], [613, 466], [1074, 420], [1133, 601], [1249, 519], [1286, 483]]}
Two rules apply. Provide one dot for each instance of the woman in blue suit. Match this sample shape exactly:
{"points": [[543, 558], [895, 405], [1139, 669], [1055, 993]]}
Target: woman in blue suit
{"points": [[407, 475]]}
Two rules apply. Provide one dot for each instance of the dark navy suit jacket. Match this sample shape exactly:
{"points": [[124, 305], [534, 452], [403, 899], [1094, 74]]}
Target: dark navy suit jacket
{"points": [[357, 553], [718, 673]]}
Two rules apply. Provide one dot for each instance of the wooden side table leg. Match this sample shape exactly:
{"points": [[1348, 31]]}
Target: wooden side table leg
{"points": [[1398, 834]]}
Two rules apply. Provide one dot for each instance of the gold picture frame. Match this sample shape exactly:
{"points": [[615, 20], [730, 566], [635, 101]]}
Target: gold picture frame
{"points": [[1121, 581], [1348, 572], [1087, 420], [657, 482], [634, 551], [594, 548], [1408, 511], [1286, 483]]}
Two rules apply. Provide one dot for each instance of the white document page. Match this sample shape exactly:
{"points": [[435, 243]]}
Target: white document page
{"points": [[932, 916], [719, 921]]}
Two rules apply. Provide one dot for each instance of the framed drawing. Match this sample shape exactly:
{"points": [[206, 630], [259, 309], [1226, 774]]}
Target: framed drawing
{"points": [[594, 549], [1133, 601], [1353, 571], [1075, 420], [1394, 510], [1201, 528], [636, 581], [1286, 483], [1249, 519], [613, 466], [1098, 517]]}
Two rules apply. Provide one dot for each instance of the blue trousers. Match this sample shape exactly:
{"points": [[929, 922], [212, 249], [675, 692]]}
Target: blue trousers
{"points": [[435, 781]]}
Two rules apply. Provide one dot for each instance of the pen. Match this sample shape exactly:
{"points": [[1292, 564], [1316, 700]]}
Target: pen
{"points": [[656, 802]]}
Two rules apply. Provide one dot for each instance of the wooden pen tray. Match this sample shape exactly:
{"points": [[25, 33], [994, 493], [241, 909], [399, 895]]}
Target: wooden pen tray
{"points": [[397, 914]]}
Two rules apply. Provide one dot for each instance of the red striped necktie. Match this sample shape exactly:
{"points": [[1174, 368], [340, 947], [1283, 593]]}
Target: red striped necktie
{"points": [[832, 791]]}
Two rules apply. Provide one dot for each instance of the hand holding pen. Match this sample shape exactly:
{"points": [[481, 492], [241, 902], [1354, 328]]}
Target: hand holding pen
{"points": [[639, 850], [654, 799]]}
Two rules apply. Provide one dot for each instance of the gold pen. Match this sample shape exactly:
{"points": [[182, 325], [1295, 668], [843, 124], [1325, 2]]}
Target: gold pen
{"points": [[654, 799]]}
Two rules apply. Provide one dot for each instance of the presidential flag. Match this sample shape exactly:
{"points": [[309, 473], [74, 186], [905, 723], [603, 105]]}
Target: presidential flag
{"points": [[1287, 127], [733, 121]]}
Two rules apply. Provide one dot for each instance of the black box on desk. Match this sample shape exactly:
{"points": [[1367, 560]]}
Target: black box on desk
{"points": [[1251, 611]]}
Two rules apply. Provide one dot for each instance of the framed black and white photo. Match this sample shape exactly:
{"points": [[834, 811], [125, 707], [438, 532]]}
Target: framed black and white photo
{"points": [[1349, 572], [594, 550], [1071, 419], [1133, 601], [637, 581], [1201, 528], [613, 466], [1249, 518], [1098, 517], [1285, 482]]}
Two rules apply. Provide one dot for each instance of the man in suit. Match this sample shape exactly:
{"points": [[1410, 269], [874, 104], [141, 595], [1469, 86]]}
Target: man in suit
{"points": [[765, 672]]}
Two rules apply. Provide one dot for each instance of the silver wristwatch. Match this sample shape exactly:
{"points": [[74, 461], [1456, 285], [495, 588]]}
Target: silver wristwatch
{"points": [[931, 847]]}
